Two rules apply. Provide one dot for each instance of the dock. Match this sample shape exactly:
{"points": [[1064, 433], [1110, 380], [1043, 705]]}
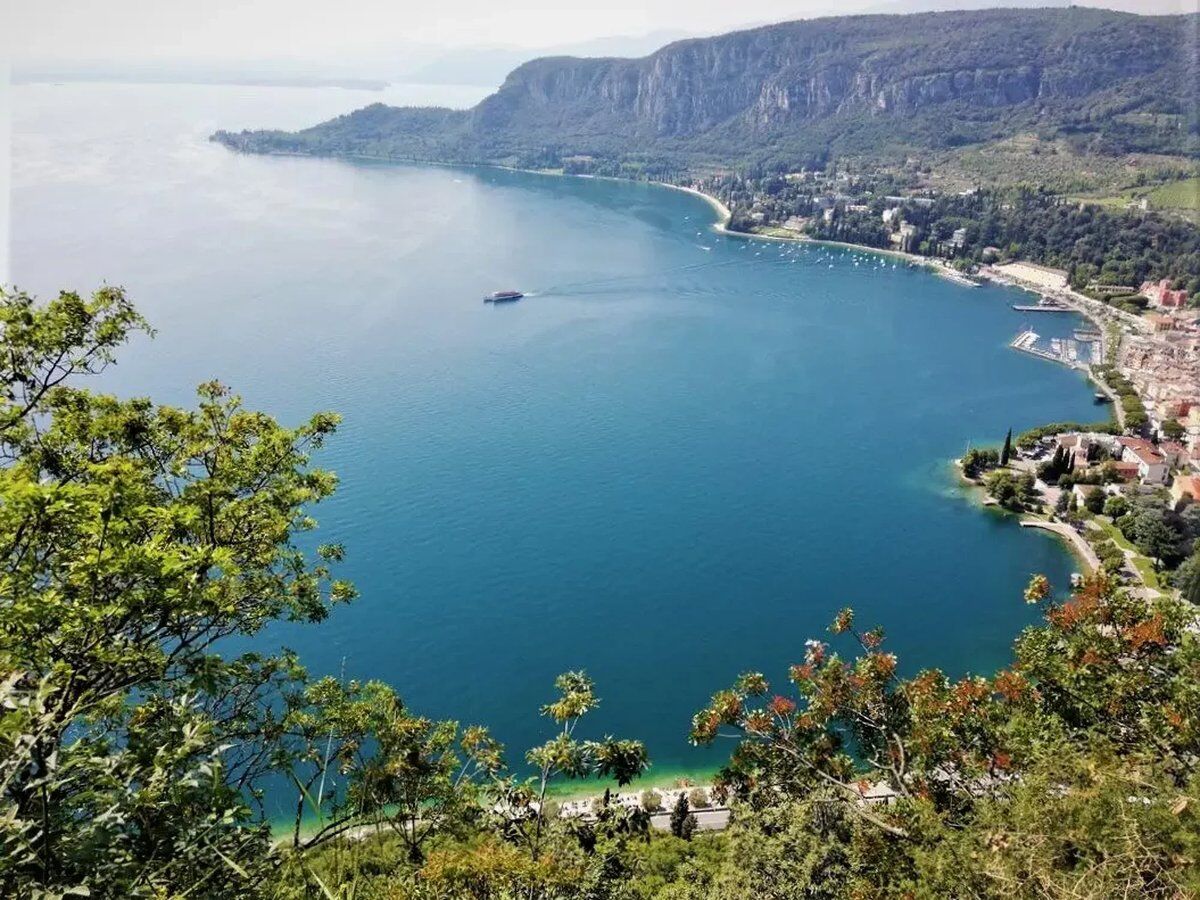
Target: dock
{"points": [[1062, 350], [1026, 342]]}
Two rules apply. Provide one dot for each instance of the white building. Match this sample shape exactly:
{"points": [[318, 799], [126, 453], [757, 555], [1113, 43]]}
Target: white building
{"points": [[1153, 467]]}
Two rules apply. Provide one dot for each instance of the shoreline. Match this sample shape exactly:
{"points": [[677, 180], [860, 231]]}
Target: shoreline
{"points": [[1073, 539], [724, 214], [976, 494]]}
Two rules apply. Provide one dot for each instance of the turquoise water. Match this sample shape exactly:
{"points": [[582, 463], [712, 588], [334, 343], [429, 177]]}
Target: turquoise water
{"points": [[672, 462]]}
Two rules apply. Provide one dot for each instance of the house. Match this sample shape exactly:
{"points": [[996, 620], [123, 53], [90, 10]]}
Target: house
{"points": [[1159, 322], [1174, 453], [1152, 466], [1160, 294], [1078, 447], [1083, 444], [1126, 471], [958, 240], [1185, 487], [1192, 426], [907, 237], [917, 201], [890, 214]]}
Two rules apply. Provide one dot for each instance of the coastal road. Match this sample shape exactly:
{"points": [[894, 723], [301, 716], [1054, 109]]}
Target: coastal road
{"points": [[706, 820]]}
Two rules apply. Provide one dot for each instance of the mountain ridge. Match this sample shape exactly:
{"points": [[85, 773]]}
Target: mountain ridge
{"points": [[794, 92]]}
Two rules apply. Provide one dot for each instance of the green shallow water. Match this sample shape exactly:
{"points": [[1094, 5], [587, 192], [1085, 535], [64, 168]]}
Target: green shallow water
{"points": [[672, 462]]}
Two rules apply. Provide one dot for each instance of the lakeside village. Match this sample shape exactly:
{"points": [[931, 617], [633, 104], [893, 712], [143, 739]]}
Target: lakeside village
{"points": [[1124, 493]]}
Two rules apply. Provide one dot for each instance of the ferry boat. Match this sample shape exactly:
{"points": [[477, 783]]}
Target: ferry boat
{"points": [[503, 297]]}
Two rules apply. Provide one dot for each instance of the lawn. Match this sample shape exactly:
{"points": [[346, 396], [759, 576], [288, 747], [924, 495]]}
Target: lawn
{"points": [[1144, 566]]}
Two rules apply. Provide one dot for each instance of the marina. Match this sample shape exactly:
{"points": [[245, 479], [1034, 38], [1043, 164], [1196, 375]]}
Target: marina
{"points": [[1072, 352]]}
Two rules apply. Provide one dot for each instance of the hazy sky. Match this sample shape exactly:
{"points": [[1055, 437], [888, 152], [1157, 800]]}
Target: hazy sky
{"points": [[334, 30]]}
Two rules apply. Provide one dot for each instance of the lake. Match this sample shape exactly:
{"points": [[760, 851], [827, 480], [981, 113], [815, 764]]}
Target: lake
{"points": [[674, 461]]}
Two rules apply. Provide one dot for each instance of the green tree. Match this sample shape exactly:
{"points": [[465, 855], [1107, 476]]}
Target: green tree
{"points": [[1172, 430], [1191, 588], [136, 538], [679, 813], [1094, 500], [411, 775], [687, 828], [1116, 506], [977, 461], [1006, 450], [521, 803], [1147, 527]]}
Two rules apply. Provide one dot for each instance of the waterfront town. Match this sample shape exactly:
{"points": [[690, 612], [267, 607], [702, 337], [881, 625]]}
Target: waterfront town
{"points": [[1125, 494]]}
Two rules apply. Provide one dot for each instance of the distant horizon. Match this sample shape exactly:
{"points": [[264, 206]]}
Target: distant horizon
{"points": [[370, 41]]}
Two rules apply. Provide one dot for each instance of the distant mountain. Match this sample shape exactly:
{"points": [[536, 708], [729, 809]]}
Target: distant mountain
{"points": [[881, 86], [1142, 7], [489, 65]]}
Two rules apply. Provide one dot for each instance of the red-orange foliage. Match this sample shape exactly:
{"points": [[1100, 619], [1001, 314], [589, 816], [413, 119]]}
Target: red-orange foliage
{"points": [[1012, 686], [1090, 658], [1148, 631], [782, 706], [800, 673]]}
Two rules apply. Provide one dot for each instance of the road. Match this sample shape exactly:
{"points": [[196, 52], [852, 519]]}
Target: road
{"points": [[706, 820]]}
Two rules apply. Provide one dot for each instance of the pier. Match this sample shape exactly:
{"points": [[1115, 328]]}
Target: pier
{"points": [[1062, 350]]}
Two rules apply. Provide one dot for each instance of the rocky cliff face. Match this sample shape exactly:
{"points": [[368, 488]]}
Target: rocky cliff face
{"points": [[880, 65], [978, 74]]}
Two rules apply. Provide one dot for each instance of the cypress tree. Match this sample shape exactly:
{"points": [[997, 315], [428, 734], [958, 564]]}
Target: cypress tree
{"points": [[1056, 464], [688, 828], [1006, 452], [679, 814]]}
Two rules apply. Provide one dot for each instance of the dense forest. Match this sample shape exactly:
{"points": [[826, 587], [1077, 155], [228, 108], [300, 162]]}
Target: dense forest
{"points": [[788, 95], [134, 748]]}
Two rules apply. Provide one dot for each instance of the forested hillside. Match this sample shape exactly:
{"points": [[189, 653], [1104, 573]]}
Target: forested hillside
{"points": [[799, 92]]}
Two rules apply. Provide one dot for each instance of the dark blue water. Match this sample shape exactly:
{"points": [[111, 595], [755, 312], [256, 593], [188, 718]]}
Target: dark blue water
{"points": [[673, 462]]}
